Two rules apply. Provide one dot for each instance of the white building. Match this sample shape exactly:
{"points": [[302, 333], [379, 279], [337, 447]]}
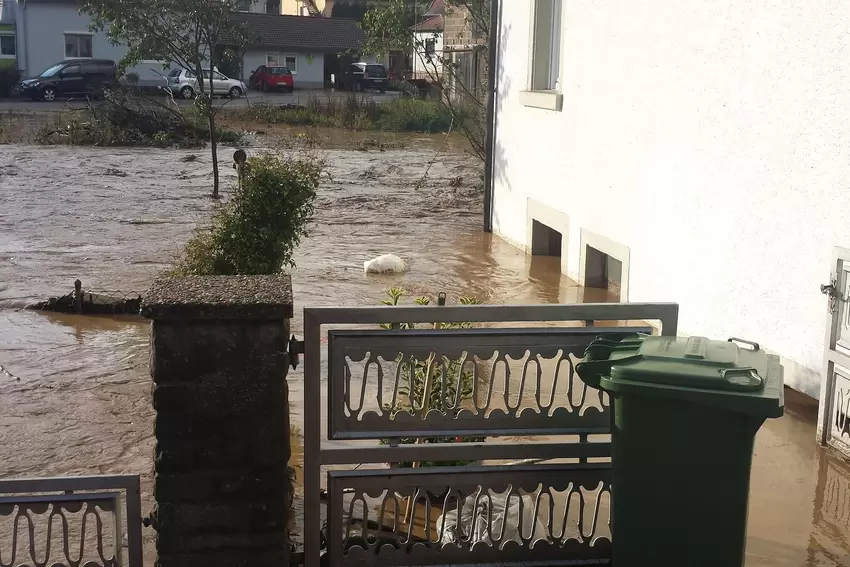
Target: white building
{"points": [[428, 47], [690, 151]]}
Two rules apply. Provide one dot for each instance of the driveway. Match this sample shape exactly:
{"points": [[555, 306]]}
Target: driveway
{"points": [[252, 97]]}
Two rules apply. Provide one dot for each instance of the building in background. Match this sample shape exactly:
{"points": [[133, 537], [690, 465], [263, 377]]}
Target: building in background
{"points": [[313, 48], [428, 43], [50, 31], [8, 41], [683, 151], [314, 8]]}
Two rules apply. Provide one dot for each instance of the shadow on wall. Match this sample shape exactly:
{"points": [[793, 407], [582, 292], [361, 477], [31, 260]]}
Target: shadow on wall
{"points": [[504, 83]]}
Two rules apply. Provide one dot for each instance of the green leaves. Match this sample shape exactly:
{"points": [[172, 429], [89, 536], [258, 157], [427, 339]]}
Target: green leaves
{"points": [[258, 230], [387, 27]]}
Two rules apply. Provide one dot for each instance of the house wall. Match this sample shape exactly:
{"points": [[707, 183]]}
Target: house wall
{"points": [[457, 31], [46, 25], [708, 142], [311, 66], [421, 66], [293, 7]]}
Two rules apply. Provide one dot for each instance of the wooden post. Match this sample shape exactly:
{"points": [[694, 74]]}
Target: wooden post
{"points": [[78, 296]]}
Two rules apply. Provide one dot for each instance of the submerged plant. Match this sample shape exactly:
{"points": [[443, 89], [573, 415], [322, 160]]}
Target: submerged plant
{"points": [[431, 384]]}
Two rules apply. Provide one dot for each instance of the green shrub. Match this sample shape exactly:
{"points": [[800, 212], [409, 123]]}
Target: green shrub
{"points": [[414, 115], [444, 395], [257, 231], [357, 113]]}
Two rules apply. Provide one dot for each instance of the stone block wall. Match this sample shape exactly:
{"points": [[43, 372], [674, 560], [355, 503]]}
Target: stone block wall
{"points": [[219, 363]]}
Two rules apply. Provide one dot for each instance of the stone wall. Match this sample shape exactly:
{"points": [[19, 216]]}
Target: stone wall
{"points": [[459, 28], [219, 363]]}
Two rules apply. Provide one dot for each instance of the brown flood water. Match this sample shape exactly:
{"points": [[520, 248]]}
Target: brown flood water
{"points": [[116, 218]]}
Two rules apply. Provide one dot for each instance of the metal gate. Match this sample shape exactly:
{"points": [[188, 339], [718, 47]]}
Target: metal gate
{"points": [[537, 491], [834, 411], [71, 521]]}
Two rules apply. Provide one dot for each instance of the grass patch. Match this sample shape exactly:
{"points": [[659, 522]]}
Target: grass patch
{"points": [[355, 113], [121, 121]]}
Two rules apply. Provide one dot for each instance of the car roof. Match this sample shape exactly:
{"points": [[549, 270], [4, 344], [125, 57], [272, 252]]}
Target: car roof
{"points": [[86, 60]]}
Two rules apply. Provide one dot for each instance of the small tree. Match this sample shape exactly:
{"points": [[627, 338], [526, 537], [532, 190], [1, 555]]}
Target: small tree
{"points": [[184, 32], [387, 28], [259, 228], [422, 385]]}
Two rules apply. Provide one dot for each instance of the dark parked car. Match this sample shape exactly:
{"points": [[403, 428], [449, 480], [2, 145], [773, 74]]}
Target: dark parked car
{"points": [[272, 78], [362, 76], [73, 77]]}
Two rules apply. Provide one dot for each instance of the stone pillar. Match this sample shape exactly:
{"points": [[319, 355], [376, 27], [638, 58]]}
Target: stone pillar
{"points": [[219, 363]]}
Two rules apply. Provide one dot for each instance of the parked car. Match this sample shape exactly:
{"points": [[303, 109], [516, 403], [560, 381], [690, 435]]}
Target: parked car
{"points": [[90, 77], [362, 76], [184, 83], [272, 78]]}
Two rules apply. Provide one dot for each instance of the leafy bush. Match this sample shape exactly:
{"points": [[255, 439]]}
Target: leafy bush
{"points": [[122, 120], [414, 115], [444, 395], [257, 231], [355, 113]]}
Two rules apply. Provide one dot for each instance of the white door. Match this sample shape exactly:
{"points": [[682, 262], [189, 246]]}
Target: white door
{"points": [[834, 412]]}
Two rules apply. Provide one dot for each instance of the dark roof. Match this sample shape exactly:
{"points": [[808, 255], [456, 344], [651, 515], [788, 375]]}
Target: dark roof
{"points": [[432, 24], [304, 32], [437, 8]]}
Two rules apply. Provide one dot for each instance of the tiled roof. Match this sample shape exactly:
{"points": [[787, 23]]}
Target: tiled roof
{"points": [[433, 24], [437, 8], [300, 32]]}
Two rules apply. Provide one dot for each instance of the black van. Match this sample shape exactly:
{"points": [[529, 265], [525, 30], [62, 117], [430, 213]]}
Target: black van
{"points": [[72, 77]]}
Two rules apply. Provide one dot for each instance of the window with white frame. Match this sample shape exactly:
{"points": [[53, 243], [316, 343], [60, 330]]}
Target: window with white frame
{"points": [[546, 47], [78, 45], [277, 59], [7, 46]]}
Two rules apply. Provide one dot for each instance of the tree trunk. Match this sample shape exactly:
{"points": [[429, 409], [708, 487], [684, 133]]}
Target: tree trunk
{"points": [[213, 144]]}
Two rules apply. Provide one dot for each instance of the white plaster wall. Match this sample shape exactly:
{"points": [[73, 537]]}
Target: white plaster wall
{"points": [[311, 66], [421, 66], [711, 138], [41, 41]]}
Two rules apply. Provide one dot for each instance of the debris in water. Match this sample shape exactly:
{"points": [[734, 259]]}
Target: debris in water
{"points": [[386, 264], [115, 172], [190, 157], [9, 374], [78, 301], [456, 182], [369, 173]]}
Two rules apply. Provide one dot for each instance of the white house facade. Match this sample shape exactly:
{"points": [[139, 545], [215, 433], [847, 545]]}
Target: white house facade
{"points": [[428, 48], [693, 152], [50, 31]]}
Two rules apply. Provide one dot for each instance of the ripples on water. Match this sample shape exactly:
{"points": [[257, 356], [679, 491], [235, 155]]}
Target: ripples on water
{"points": [[116, 218]]}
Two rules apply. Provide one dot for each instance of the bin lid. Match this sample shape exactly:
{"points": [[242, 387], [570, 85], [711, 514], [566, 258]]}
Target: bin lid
{"points": [[734, 374]]}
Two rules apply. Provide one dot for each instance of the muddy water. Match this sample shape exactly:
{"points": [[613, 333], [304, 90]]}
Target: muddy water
{"points": [[74, 391]]}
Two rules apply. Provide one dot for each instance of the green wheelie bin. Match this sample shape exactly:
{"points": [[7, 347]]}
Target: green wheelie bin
{"points": [[685, 415]]}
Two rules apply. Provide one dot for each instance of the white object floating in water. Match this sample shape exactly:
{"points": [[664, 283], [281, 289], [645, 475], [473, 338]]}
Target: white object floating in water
{"points": [[386, 264]]}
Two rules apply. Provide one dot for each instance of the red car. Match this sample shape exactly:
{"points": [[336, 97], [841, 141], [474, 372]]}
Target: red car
{"points": [[269, 78]]}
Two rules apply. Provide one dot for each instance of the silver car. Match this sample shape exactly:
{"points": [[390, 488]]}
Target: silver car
{"points": [[184, 83]]}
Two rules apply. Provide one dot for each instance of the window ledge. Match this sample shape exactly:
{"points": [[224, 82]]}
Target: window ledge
{"points": [[547, 100]]}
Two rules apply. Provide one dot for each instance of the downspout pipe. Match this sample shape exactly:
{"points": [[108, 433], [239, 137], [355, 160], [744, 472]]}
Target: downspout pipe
{"points": [[492, 91]]}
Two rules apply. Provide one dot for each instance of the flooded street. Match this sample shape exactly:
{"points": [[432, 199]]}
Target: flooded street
{"points": [[75, 391]]}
